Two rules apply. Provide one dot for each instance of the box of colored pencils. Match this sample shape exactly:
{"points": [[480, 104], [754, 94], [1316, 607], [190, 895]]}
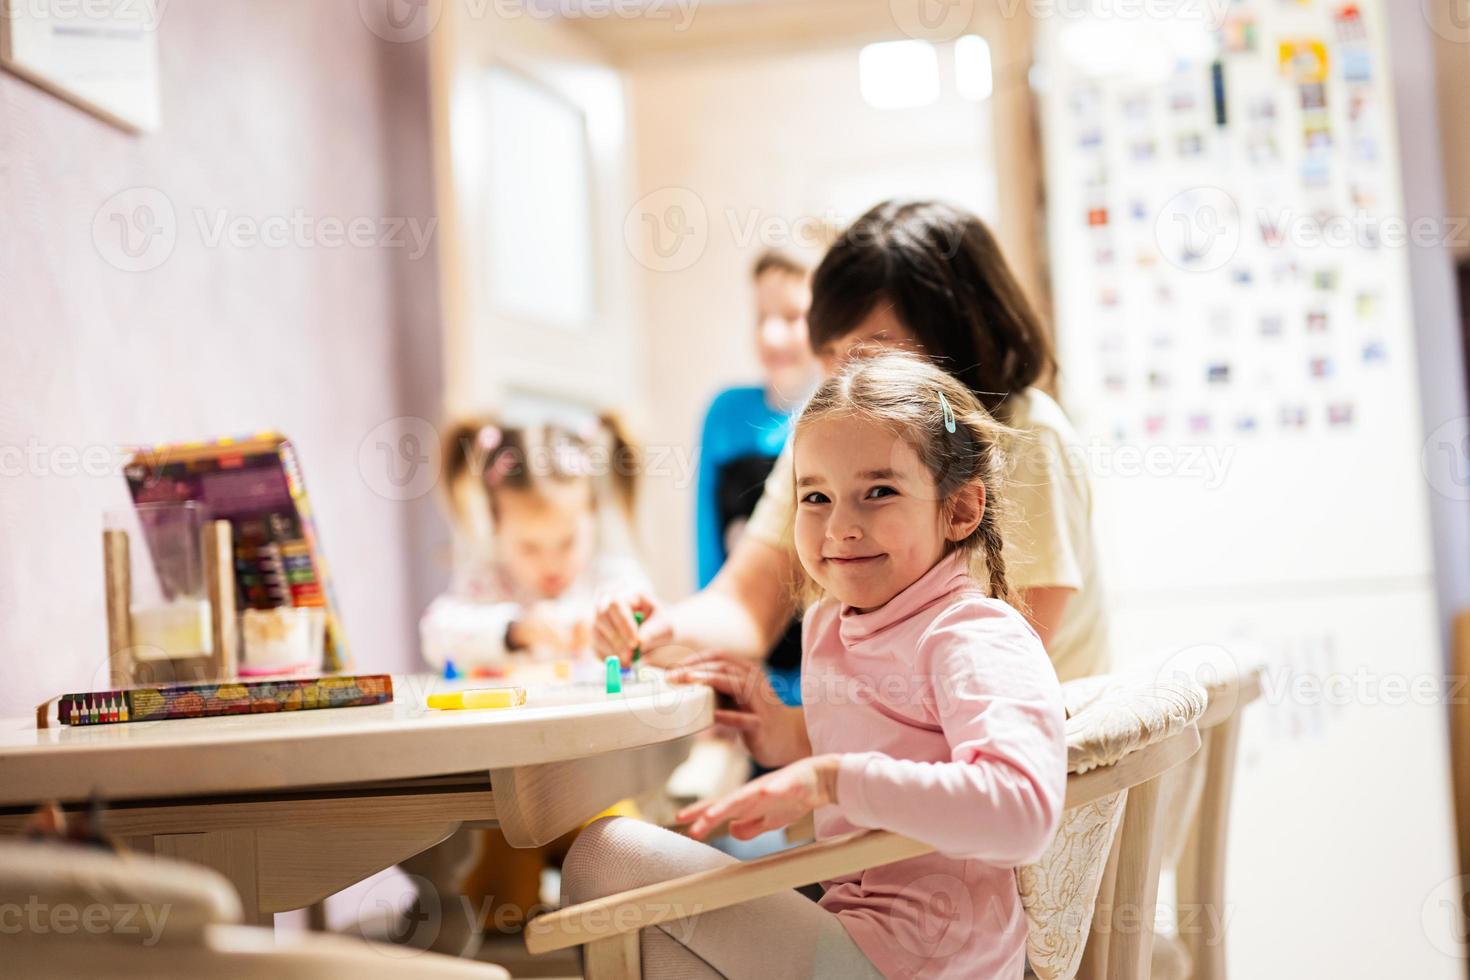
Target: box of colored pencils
{"points": [[230, 698], [255, 483]]}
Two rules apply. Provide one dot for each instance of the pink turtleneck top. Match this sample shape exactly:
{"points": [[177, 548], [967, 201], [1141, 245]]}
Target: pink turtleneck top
{"points": [[948, 716]]}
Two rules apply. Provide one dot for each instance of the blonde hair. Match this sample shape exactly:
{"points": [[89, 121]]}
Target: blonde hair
{"points": [[481, 458], [919, 403]]}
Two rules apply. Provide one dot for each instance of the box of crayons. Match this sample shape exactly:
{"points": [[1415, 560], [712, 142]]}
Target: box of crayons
{"points": [[255, 483], [228, 698]]}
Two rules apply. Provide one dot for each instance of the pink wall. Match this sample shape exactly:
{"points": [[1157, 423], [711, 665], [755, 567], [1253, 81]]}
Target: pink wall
{"points": [[271, 108]]}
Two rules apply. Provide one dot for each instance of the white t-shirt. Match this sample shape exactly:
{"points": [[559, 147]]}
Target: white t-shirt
{"points": [[1048, 534], [467, 624]]}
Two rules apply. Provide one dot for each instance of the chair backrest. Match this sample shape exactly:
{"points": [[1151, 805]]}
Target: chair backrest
{"points": [[77, 912], [1200, 818], [125, 897], [239, 953], [1124, 733]]}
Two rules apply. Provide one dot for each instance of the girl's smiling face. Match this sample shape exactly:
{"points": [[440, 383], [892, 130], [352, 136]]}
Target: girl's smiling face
{"points": [[869, 522]]}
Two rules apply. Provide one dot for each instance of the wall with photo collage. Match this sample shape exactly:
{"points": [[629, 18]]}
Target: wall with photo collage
{"points": [[1229, 262], [1228, 255]]}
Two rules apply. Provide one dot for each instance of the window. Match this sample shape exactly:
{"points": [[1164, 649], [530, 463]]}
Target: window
{"points": [[973, 74], [898, 74], [539, 221]]}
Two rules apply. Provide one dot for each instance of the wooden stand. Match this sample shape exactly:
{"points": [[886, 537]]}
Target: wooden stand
{"points": [[218, 548], [118, 583], [1459, 722], [125, 668]]}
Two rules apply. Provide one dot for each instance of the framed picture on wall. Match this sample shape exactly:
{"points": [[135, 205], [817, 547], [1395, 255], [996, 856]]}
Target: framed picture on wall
{"points": [[101, 55]]}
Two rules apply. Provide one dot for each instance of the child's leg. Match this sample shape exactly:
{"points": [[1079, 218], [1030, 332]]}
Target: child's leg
{"points": [[783, 935], [504, 884]]}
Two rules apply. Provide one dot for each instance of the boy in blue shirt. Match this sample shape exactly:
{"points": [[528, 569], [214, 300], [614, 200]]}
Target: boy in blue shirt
{"points": [[745, 429]]}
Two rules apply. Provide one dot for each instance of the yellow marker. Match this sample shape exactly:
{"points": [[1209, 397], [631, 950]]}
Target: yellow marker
{"points": [[485, 697]]}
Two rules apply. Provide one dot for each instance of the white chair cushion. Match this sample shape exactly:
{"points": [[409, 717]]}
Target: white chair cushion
{"points": [[1115, 714]]}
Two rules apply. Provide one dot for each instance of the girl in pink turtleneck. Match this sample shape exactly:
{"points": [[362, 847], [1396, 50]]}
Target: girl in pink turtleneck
{"points": [[929, 709]]}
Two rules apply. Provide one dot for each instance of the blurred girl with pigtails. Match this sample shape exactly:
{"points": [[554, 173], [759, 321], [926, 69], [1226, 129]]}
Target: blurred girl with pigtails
{"points": [[542, 516]]}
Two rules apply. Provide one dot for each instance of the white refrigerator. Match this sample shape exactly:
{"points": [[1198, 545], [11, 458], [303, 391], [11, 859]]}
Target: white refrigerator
{"points": [[1229, 263]]}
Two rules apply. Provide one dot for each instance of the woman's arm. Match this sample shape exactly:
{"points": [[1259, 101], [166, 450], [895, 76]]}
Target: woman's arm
{"points": [[751, 600], [745, 608], [1049, 539], [774, 733], [1043, 607], [743, 611]]}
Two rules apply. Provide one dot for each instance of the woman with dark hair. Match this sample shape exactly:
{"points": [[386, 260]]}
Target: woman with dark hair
{"points": [[927, 277]]}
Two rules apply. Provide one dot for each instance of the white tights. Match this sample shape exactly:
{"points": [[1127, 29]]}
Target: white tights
{"points": [[772, 938]]}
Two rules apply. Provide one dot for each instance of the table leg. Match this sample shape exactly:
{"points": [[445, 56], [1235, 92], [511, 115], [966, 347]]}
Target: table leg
{"points": [[233, 853], [316, 916]]}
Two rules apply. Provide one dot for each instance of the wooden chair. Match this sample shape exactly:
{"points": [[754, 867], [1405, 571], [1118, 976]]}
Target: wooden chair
{"points": [[1199, 795], [85, 913], [609, 927]]}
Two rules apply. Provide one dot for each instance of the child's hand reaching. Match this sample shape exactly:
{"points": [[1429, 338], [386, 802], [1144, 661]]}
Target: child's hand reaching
{"points": [[775, 800], [774, 733], [540, 629]]}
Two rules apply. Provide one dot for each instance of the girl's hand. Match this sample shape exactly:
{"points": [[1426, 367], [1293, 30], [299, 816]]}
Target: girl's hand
{"points": [[615, 633], [775, 800], [539, 629], [774, 734]]}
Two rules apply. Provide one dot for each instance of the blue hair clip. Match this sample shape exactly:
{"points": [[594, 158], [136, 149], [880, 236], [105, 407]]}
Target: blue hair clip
{"points": [[948, 414]]}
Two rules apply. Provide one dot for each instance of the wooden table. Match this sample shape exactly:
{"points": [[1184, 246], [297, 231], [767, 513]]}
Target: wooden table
{"points": [[296, 806]]}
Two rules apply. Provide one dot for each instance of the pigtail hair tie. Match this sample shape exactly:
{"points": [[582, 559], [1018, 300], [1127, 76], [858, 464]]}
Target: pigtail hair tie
{"points": [[500, 467]]}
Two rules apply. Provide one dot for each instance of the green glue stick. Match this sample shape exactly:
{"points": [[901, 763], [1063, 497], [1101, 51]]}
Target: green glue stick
{"points": [[614, 676], [638, 618]]}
